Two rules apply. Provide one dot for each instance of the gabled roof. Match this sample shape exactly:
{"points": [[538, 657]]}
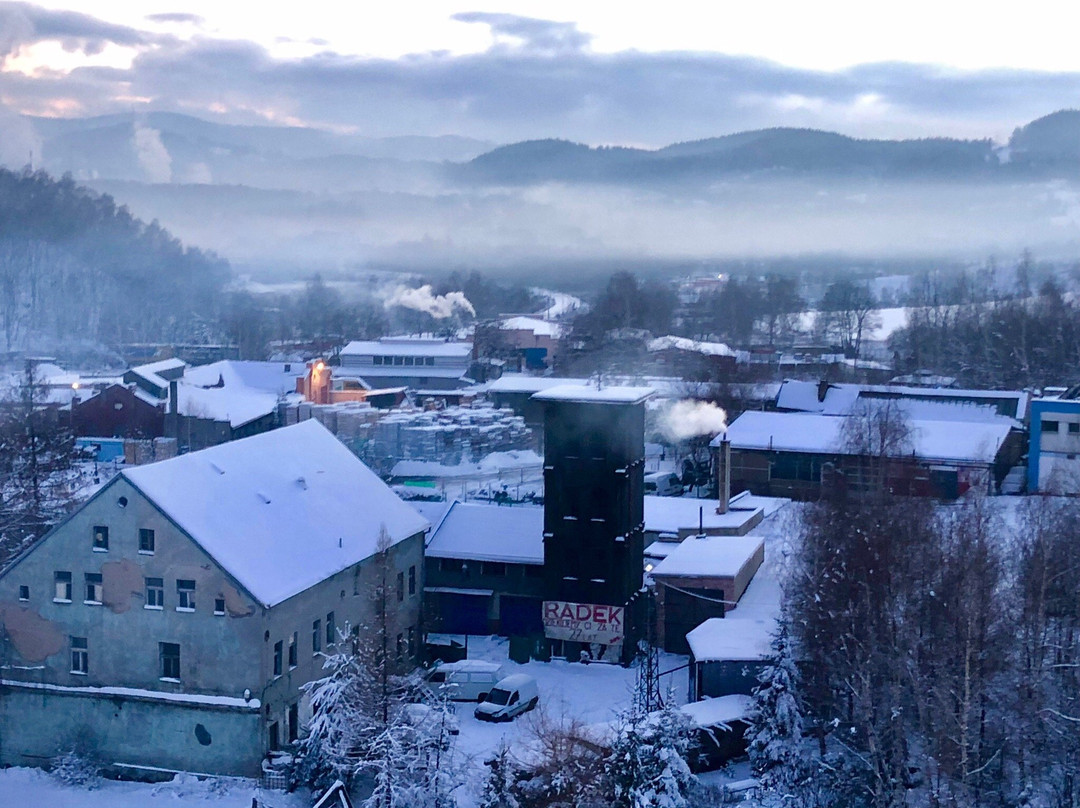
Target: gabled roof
{"points": [[946, 441], [841, 399], [280, 511], [264, 377]]}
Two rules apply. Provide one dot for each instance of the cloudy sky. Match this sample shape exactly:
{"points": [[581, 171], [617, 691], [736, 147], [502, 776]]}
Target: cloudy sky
{"points": [[599, 71]]}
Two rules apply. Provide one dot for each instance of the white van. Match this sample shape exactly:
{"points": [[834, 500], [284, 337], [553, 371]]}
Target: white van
{"points": [[465, 680], [509, 698], [663, 484]]}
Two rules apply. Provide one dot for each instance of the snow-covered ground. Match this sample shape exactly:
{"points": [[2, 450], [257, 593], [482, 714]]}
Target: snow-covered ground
{"points": [[559, 304], [29, 787], [570, 692]]}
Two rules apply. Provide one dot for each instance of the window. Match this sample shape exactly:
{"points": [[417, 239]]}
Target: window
{"points": [[277, 658], [185, 595], [219, 606], [24, 593], [400, 646], [399, 360], [492, 568], [155, 593], [451, 565], [80, 657], [331, 629], [412, 642], [101, 538], [408, 360], [400, 586], [93, 588], [316, 636], [146, 540], [169, 653], [1074, 429], [63, 587], [376, 360], [412, 580], [292, 650], [275, 741], [294, 721], [1049, 426], [429, 360]]}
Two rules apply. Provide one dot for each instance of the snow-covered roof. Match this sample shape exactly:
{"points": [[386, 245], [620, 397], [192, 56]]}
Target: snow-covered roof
{"points": [[710, 557], [589, 394], [727, 638], [520, 383], [722, 710], [238, 406], [481, 532], [841, 399], [265, 377], [541, 328], [151, 371], [683, 344], [407, 346], [671, 514], [280, 511], [946, 441]]}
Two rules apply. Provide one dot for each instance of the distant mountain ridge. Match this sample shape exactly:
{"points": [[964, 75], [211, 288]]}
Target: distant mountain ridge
{"points": [[1049, 144], [790, 150], [172, 147]]}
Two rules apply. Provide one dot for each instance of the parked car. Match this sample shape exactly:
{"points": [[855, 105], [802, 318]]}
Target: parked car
{"points": [[509, 698], [465, 680], [663, 484]]}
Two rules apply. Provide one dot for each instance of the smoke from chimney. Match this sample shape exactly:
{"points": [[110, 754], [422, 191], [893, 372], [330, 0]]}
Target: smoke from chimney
{"points": [[691, 419], [438, 306]]}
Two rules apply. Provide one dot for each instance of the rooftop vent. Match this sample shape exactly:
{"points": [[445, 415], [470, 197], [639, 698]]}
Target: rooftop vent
{"points": [[263, 497], [216, 467]]}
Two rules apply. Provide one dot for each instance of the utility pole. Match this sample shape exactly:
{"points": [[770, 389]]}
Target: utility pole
{"points": [[647, 688]]}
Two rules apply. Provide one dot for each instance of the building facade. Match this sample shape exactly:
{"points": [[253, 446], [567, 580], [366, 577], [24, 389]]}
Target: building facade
{"points": [[170, 622]]}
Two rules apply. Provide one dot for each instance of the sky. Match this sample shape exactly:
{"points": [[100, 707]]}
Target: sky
{"points": [[599, 72]]}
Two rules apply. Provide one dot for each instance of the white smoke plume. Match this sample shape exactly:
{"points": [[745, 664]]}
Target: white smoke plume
{"points": [[20, 140], [691, 419], [154, 158], [438, 306]]}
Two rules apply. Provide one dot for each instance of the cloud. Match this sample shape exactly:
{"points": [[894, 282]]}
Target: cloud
{"points": [[529, 34], [538, 79], [176, 17], [24, 24]]}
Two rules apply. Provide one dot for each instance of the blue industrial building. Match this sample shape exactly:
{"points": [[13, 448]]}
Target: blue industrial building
{"points": [[1054, 451]]}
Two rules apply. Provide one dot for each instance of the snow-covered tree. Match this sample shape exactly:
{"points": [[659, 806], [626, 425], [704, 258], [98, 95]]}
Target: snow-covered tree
{"points": [[499, 786], [775, 734], [341, 723], [647, 765]]}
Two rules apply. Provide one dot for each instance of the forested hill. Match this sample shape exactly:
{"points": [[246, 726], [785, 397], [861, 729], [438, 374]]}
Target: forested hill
{"points": [[77, 268], [799, 151]]}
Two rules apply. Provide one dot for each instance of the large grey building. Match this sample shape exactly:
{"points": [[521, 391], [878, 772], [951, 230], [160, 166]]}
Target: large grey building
{"points": [[170, 622]]}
